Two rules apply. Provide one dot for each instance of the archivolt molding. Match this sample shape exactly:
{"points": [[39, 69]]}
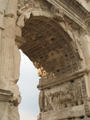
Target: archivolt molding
{"points": [[33, 13], [56, 9], [26, 9], [73, 10], [34, 8]]}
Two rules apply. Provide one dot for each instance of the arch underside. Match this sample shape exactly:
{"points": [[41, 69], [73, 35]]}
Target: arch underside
{"points": [[49, 47], [51, 50]]}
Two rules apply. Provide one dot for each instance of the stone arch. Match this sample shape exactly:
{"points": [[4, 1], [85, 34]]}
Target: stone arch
{"points": [[54, 34], [58, 60], [47, 42], [52, 40]]}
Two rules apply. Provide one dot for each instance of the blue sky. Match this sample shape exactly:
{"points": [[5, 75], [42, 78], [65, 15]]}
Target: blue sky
{"points": [[28, 87]]}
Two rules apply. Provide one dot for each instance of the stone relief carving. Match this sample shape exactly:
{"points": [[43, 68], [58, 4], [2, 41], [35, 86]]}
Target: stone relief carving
{"points": [[41, 100], [66, 95]]}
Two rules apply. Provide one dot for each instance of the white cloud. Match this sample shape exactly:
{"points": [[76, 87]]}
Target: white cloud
{"points": [[25, 115]]}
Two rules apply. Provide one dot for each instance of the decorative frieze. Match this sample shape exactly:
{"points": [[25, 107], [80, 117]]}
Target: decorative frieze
{"points": [[63, 96], [72, 9], [47, 83]]}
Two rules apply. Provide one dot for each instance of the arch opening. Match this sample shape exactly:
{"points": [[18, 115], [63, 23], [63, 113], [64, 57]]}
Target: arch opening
{"points": [[51, 50], [57, 59], [28, 81], [49, 47]]}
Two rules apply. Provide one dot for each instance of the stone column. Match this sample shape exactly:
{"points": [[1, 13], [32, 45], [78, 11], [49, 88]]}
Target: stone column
{"points": [[3, 83], [13, 113], [85, 40], [86, 44], [7, 57], [86, 50]]}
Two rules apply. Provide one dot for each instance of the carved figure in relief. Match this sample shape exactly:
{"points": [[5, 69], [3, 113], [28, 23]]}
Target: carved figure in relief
{"points": [[47, 104], [25, 10], [66, 95], [41, 100]]}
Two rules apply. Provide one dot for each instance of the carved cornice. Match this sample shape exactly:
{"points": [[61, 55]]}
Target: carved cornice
{"points": [[70, 8], [43, 84], [73, 10]]}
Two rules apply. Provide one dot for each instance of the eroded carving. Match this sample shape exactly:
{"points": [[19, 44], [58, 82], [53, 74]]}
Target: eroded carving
{"points": [[66, 95], [52, 35]]}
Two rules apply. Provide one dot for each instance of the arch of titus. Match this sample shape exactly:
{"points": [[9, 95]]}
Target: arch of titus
{"points": [[55, 35]]}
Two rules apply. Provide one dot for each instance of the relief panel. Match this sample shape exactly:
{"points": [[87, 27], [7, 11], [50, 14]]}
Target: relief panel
{"points": [[66, 95]]}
